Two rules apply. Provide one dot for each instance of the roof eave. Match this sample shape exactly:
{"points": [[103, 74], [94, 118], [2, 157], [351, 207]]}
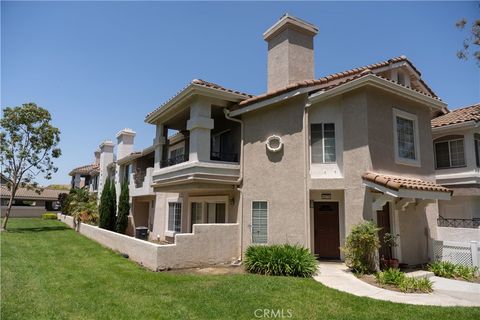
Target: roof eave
{"points": [[455, 126], [407, 193], [380, 83]]}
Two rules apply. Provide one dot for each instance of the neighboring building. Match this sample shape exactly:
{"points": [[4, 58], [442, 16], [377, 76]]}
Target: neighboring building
{"points": [[457, 162], [301, 163], [28, 202]]}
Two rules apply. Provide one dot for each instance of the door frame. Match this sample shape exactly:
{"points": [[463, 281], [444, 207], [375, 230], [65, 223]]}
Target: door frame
{"points": [[339, 222], [394, 217]]}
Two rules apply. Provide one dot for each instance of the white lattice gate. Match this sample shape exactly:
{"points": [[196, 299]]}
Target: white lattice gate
{"points": [[457, 252]]}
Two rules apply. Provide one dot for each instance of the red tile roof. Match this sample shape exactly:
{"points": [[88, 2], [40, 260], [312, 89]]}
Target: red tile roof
{"points": [[31, 194], [331, 80], [470, 113], [89, 169], [396, 183]]}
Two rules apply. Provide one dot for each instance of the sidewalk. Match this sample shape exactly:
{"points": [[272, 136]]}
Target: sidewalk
{"points": [[446, 292]]}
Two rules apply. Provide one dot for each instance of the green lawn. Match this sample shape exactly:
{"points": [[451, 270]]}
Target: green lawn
{"points": [[51, 272]]}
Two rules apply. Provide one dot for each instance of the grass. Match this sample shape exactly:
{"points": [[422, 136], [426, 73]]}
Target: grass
{"points": [[49, 271]]}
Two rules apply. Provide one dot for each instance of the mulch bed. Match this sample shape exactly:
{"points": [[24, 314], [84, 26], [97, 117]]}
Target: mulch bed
{"points": [[370, 279]]}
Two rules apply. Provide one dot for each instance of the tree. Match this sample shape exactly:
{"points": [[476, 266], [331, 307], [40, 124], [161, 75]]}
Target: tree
{"points": [[28, 145], [473, 38], [112, 218], [123, 209], [104, 207]]}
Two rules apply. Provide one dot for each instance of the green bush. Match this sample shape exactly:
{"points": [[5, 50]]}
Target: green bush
{"points": [[390, 276], [123, 209], [416, 285], [360, 248], [280, 260], [49, 216], [448, 269]]}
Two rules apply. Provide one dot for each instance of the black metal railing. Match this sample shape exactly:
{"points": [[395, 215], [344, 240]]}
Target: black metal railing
{"points": [[174, 160], [227, 157], [458, 223]]}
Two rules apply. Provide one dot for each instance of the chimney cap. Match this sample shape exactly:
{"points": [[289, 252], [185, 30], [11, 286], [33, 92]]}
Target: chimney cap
{"points": [[126, 132], [287, 21], [106, 143]]}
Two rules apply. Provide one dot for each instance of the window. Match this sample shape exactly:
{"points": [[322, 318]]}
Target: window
{"points": [[449, 153], [174, 216], [406, 138], [176, 153], [323, 142], [196, 212], [127, 171], [477, 148], [259, 222]]}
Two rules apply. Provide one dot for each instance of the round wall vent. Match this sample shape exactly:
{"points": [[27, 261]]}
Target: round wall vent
{"points": [[274, 143]]}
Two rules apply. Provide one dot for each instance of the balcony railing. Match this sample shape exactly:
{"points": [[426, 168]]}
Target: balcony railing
{"points": [[458, 223], [174, 160], [227, 157]]}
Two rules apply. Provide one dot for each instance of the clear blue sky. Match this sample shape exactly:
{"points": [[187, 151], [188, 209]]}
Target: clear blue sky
{"points": [[102, 66]]}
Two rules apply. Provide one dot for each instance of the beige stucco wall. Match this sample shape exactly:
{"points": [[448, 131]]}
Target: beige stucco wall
{"points": [[460, 207], [278, 178], [458, 234]]}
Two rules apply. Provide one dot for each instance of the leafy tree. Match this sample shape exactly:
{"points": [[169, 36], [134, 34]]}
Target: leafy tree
{"points": [[113, 208], [28, 145], [123, 209], [105, 204], [473, 38]]}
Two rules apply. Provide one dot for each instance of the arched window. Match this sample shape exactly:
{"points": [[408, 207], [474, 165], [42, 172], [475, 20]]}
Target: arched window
{"points": [[449, 152]]}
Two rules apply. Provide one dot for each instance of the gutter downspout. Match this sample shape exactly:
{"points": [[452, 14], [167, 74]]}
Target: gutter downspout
{"points": [[240, 178], [306, 177]]}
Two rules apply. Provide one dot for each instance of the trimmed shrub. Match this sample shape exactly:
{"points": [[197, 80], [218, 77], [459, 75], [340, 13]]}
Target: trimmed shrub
{"points": [[360, 248], [390, 276], [280, 260], [416, 285], [123, 209], [105, 205], [112, 218], [448, 269], [49, 216]]}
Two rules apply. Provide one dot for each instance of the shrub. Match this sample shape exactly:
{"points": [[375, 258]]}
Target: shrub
{"points": [[391, 277], [105, 207], [280, 260], [416, 285], [49, 216], [448, 269], [62, 198], [123, 209], [360, 248]]}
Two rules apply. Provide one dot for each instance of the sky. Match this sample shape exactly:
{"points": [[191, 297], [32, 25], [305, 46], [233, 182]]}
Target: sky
{"points": [[99, 67]]}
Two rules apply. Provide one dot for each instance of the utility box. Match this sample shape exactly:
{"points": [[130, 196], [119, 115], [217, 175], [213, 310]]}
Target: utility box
{"points": [[141, 233]]}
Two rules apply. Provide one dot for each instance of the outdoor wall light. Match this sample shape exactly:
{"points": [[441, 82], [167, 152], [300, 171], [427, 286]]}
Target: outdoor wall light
{"points": [[274, 143]]}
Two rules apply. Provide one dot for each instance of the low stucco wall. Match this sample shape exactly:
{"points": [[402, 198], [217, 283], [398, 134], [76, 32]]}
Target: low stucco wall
{"points": [[458, 234], [24, 211], [208, 244]]}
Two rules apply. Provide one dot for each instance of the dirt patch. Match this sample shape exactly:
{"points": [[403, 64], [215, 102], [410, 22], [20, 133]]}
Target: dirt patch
{"points": [[211, 270]]}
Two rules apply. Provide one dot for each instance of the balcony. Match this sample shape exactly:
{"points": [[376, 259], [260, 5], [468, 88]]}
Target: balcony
{"points": [[141, 183], [174, 160], [458, 223]]}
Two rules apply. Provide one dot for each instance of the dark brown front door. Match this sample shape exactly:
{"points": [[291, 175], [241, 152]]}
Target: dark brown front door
{"points": [[326, 230], [383, 222]]}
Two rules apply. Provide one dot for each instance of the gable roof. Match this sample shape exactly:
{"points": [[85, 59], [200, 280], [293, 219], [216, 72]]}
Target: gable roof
{"points": [[333, 79], [465, 114]]}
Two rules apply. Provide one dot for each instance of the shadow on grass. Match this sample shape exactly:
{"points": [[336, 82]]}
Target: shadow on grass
{"points": [[36, 229]]}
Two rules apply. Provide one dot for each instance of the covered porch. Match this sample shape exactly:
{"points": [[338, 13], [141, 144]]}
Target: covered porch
{"points": [[405, 208]]}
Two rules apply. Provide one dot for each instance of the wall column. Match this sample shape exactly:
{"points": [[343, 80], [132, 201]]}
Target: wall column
{"points": [[158, 142], [200, 124], [76, 181]]}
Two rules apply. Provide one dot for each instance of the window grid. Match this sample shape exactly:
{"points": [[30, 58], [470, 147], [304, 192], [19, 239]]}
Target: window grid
{"points": [[174, 216], [259, 222], [406, 138], [323, 142]]}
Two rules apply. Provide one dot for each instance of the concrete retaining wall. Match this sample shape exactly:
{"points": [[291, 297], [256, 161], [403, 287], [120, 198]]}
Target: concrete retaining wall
{"points": [[208, 244], [458, 234]]}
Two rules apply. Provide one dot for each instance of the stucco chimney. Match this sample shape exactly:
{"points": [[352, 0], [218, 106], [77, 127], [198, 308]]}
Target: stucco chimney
{"points": [[125, 139], [106, 157], [290, 52], [97, 156]]}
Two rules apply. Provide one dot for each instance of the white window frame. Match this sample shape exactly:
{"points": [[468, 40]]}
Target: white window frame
{"points": [[323, 143], [251, 220], [204, 201], [450, 154], [171, 233], [416, 140]]}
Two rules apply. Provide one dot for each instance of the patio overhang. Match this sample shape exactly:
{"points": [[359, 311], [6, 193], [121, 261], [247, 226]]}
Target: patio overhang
{"points": [[404, 190]]}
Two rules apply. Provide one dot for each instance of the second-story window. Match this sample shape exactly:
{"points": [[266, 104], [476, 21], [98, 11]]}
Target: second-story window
{"points": [[477, 148], [322, 142], [176, 153], [127, 171], [406, 138], [449, 152]]}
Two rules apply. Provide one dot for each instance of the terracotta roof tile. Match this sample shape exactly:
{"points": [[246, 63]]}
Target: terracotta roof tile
{"points": [[470, 113], [27, 194], [89, 169], [333, 77], [396, 183]]}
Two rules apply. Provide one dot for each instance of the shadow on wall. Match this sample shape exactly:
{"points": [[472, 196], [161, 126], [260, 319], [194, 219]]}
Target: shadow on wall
{"points": [[274, 156]]}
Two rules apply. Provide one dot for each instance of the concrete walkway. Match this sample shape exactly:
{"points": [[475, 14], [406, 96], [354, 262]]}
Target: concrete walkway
{"points": [[445, 293]]}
